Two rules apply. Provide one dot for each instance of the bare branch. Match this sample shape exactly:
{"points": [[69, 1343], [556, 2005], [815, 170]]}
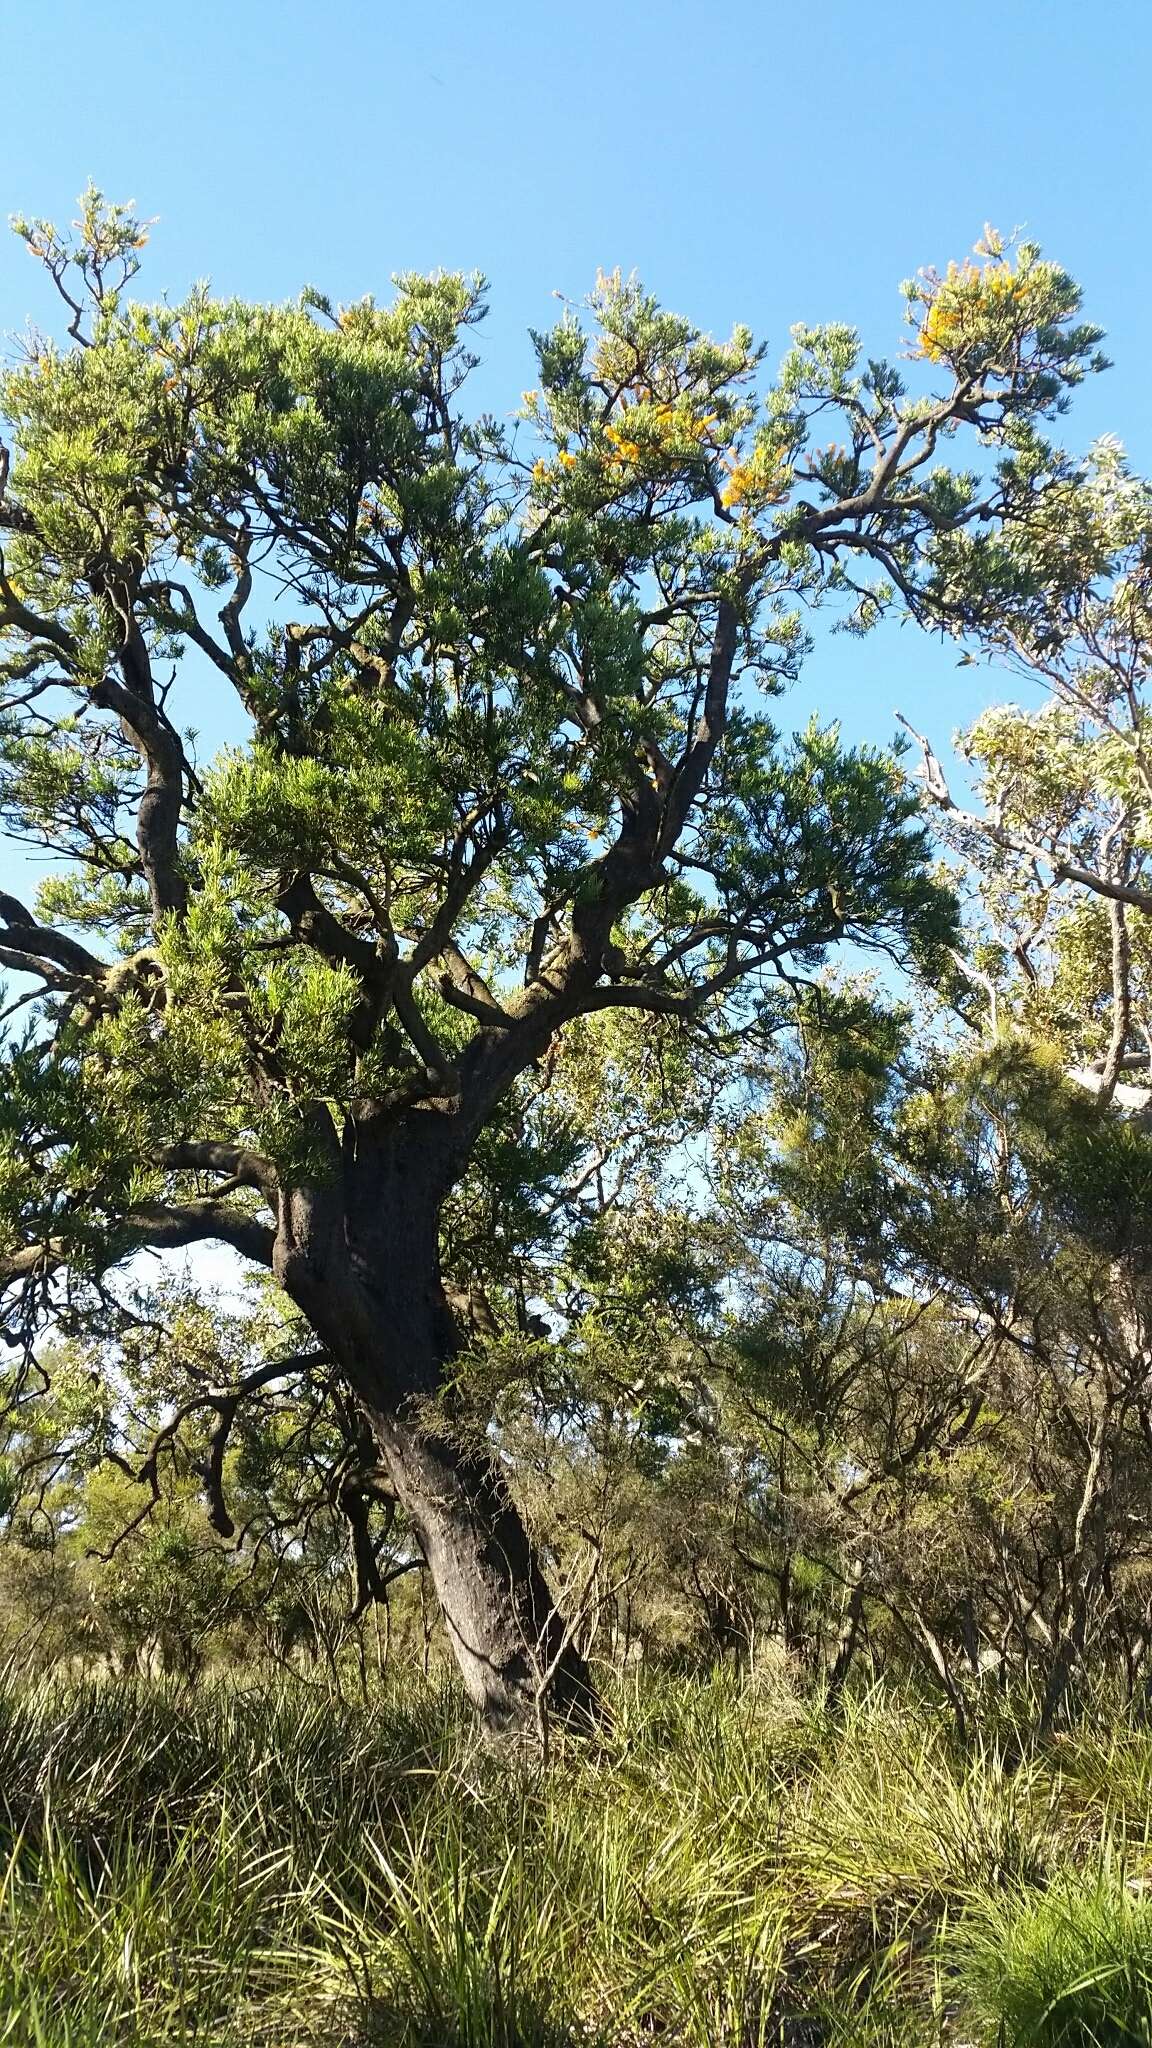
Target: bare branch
{"points": [[1018, 843]]}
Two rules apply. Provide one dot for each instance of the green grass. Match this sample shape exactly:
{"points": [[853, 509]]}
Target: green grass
{"points": [[1066, 1966], [271, 1868]]}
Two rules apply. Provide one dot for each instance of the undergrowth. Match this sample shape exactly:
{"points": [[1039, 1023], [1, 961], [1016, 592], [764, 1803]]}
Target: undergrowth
{"points": [[728, 1867]]}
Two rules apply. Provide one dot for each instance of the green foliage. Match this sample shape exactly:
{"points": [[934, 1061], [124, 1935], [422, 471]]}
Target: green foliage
{"points": [[473, 670]]}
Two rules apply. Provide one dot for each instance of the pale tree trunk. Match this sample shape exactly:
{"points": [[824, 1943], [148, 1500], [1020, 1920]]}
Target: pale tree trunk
{"points": [[849, 1634]]}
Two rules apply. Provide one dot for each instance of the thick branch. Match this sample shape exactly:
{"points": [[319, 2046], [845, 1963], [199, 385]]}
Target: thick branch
{"points": [[689, 776], [152, 1226], [243, 1167], [20, 930], [160, 748]]}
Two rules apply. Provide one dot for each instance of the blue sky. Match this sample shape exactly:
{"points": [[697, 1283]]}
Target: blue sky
{"points": [[765, 163]]}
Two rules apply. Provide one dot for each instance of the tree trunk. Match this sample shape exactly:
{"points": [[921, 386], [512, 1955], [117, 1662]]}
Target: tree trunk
{"points": [[517, 1658], [849, 1633], [365, 1271]]}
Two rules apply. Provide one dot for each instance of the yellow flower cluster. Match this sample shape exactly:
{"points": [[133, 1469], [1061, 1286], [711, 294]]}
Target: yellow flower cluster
{"points": [[662, 427], [626, 450], [643, 431], [540, 468], [763, 479], [966, 299]]}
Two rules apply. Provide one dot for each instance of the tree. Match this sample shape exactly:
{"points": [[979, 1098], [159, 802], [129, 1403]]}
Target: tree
{"points": [[994, 1164], [501, 767], [110, 1452]]}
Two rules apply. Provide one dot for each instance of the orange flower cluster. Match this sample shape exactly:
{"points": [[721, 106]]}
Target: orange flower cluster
{"points": [[662, 428], [626, 450]]}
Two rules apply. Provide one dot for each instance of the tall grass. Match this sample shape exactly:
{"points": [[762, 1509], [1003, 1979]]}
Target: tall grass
{"points": [[729, 1868]]}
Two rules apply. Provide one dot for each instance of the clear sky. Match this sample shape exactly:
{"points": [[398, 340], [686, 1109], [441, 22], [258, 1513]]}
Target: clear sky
{"points": [[753, 160]]}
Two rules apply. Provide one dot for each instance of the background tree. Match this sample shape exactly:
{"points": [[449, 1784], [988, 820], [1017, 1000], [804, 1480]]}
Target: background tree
{"points": [[503, 766], [188, 1489]]}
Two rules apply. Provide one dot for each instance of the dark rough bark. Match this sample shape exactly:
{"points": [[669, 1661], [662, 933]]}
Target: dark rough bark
{"points": [[360, 1257], [508, 1637]]}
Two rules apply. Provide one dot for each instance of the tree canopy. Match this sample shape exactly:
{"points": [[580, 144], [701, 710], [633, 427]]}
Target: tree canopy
{"points": [[502, 763]]}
